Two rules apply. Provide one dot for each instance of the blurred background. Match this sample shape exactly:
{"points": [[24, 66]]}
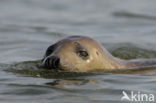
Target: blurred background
{"points": [[28, 27], [127, 28]]}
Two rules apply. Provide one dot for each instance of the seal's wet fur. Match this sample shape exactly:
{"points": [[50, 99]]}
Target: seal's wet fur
{"points": [[83, 54]]}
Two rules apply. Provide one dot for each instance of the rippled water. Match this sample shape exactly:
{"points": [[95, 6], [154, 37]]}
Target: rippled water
{"points": [[127, 28]]}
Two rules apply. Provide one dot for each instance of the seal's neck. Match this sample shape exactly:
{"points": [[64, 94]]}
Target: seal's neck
{"points": [[110, 62], [140, 62], [116, 63]]}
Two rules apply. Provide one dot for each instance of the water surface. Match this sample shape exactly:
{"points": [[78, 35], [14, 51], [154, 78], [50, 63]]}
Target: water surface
{"points": [[27, 27]]}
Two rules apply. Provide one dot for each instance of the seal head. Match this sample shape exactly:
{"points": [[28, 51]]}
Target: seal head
{"points": [[78, 54]]}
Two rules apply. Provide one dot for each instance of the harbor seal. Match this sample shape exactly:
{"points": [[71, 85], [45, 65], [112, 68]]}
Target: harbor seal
{"points": [[83, 54]]}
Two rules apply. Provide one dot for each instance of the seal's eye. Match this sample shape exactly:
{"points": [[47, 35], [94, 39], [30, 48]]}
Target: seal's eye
{"points": [[51, 49], [82, 53], [48, 52]]}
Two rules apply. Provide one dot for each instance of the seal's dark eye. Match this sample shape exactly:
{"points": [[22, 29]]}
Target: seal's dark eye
{"points": [[51, 49], [83, 53], [48, 52]]}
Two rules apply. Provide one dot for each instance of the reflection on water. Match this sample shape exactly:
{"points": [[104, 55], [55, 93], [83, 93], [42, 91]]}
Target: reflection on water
{"points": [[74, 86], [28, 27]]}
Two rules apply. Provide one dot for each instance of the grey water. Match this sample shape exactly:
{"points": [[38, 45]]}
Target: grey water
{"points": [[127, 28]]}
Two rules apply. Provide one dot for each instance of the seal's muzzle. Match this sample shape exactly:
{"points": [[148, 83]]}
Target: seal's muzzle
{"points": [[51, 62]]}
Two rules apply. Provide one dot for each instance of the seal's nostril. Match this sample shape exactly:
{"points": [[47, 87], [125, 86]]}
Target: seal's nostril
{"points": [[52, 62], [47, 62], [55, 62]]}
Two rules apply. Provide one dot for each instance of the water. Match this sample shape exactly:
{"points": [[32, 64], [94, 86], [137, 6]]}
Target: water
{"points": [[127, 28]]}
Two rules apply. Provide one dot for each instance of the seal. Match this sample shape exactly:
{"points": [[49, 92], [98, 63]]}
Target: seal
{"points": [[83, 54]]}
